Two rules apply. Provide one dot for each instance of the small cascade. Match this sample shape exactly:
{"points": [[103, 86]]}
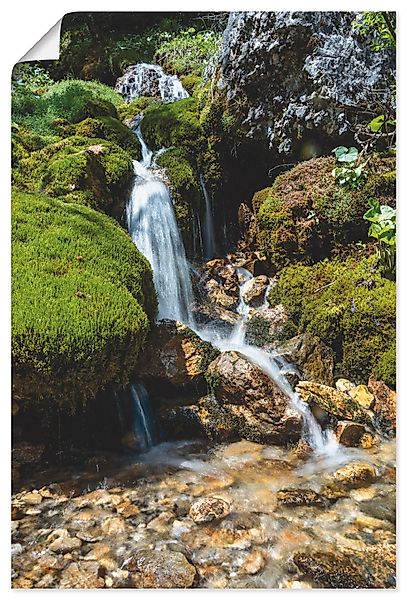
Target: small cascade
{"points": [[197, 248], [209, 230], [150, 80], [152, 224], [143, 422]]}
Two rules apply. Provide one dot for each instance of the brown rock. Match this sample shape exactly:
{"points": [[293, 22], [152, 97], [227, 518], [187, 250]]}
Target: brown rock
{"points": [[362, 396], [33, 498], [355, 475], [160, 569], [65, 544], [262, 412], [83, 575], [385, 404], [98, 551], [128, 510], [300, 497], [217, 295], [208, 509], [330, 570], [114, 526], [311, 356], [254, 290], [349, 434], [255, 561]]}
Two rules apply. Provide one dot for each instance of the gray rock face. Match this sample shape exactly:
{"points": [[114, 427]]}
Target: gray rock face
{"points": [[296, 71]]}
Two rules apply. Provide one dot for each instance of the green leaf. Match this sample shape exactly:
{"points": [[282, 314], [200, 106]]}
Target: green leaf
{"points": [[376, 124], [344, 154]]}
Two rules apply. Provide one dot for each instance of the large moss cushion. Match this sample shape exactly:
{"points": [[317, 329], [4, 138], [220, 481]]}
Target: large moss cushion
{"points": [[82, 300]]}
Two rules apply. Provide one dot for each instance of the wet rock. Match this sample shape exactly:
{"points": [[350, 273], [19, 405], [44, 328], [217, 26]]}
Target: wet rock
{"points": [[208, 509], [333, 402], [350, 434], [255, 289], [217, 295], [114, 526], [128, 510], [264, 324], [330, 570], [98, 551], [362, 396], [255, 561], [65, 544], [311, 356], [162, 523], [384, 405], [93, 534], [174, 355], [344, 385], [381, 507], [300, 497], [355, 475], [262, 412], [160, 569], [83, 575]]}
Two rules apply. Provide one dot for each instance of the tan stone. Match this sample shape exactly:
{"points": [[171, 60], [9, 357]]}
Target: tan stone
{"points": [[344, 385], [254, 561], [355, 474], [362, 396], [208, 509], [65, 544], [83, 575], [114, 526]]}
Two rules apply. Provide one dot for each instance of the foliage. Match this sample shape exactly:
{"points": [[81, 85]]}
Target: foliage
{"points": [[351, 175], [383, 229], [110, 129], [129, 110], [82, 300], [30, 77], [188, 52], [379, 28], [349, 306], [90, 171]]}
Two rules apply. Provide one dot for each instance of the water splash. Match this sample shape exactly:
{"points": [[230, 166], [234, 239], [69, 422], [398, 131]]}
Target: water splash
{"points": [[143, 422], [150, 80]]}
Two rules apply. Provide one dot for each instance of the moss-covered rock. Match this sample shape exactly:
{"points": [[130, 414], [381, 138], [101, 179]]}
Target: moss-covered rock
{"points": [[82, 300], [89, 171], [111, 129], [129, 110], [350, 307], [307, 216]]}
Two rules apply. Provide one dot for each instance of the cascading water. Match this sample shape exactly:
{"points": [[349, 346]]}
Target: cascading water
{"points": [[143, 422], [209, 230], [153, 227], [150, 80]]}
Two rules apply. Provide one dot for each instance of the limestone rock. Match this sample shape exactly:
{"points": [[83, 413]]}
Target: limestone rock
{"points": [[344, 385], [255, 289], [362, 396], [350, 434], [333, 402], [160, 569], [330, 570], [83, 575], [262, 412], [355, 475], [208, 509], [175, 355], [300, 497]]}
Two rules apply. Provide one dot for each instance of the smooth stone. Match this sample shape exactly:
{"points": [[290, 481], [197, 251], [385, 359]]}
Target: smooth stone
{"points": [[65, 544], [300, 497], [160, 569], [362, 396]]}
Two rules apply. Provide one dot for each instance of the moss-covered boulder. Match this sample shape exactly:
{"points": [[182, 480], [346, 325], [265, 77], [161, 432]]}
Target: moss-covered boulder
{"points": [[307, 216], [85, 170], [82, 299], [111, 129], [350, 307]]}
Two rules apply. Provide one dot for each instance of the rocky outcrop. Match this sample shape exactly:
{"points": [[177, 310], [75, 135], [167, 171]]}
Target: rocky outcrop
{"points": [[300, 76], [333, 402], [384, 405], [313, 359], [175, 356], [262, 412]]}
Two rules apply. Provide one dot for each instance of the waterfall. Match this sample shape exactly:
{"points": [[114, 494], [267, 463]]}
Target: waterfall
{"points": [[209, 232], [143, 423], [150, 80], [153, 227]]}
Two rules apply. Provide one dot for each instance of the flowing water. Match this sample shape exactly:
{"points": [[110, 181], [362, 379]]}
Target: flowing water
{"points": [[154, 230], [150, 80], [143, 420], [209, 230]]}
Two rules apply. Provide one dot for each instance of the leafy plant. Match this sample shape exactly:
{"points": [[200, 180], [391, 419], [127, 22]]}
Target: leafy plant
{"points": [[379, 27], [383, 229], [350, 175], [189, 51]]}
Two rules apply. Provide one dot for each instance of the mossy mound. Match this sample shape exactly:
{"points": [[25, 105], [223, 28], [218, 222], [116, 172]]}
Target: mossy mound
{"points": [[307, 216], [129, 110], [111, 129], [82, 300], [350, 307], [90, 171]]}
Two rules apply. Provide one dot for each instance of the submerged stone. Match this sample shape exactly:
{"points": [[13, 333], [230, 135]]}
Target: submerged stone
{"points": [[209, 509], [160, 569]]}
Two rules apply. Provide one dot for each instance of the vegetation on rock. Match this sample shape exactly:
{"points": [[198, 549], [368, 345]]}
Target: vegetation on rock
{"points": [[82, 300]]}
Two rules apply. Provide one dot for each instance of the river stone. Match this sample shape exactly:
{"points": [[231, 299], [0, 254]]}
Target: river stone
{"points": [[160, 569], [300, 497], [82, 575], [384, 404], [262, 412], [330, 570], [217, 295], [344, 385], [349, 434], [64, 544], [255, 289], [333, 402], [174, 355], [311, 357], [355, 475], [208, 509]]}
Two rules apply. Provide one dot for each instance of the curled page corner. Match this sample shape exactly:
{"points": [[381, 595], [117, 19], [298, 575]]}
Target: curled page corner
{"points": [[47, 48]]}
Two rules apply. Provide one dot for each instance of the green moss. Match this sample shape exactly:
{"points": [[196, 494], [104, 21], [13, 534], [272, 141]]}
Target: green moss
{"points": [[349, 306], [129, 110], [82, 299], [307, 216], [386, 366], [96, 168], [110, 129]]}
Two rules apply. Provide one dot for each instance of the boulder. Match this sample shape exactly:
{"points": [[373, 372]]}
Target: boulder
{"points": [[311, 356], [262, 412], [362, 395], [264, 324], [333, 402], [355, 474], [330, 570], [176, 356], [160, 569], [209, 509], [384, 405], [254, 290], [350, 434]]}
